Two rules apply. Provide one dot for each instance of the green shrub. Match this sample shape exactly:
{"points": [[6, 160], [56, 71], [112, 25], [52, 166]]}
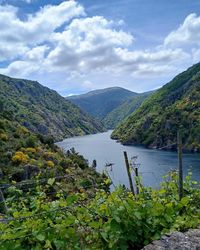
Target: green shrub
{"points": [[31, 142], [116, 220]]}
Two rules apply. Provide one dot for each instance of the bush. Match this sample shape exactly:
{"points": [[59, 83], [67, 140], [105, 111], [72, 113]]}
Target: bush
{"points": [[31, 142], [65, 163], [19, 157], [116, 220], [3, 137], [50, 164], [31, 150]]}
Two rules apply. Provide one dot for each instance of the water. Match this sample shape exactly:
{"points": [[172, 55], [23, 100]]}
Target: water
{"points": [[154, 163]]}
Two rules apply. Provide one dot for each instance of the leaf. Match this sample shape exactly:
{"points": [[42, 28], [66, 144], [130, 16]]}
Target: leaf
{"points": [[71, 199], [16, 214], [48, 244], [51, 181], [104, 236], [114, 225], [59, 244], [40, 237], [107, 181], [185, 201]]}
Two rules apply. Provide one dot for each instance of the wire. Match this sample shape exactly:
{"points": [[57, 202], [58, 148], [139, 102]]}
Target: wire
{"points": [[49, 193], [7, 185]]}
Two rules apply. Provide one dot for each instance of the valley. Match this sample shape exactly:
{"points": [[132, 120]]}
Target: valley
{"points": [[77, 197], [99, 125], [111, 105]]}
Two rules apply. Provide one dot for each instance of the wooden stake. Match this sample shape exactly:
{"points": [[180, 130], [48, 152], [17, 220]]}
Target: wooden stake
{"points": [[128, 172], [180, 165], [137, 181], [3, 206]]}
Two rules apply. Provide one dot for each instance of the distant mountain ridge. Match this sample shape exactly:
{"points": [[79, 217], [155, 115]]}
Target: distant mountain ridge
{"points": [[43, 110], [110, 105], [176, 106], [99, 103]]}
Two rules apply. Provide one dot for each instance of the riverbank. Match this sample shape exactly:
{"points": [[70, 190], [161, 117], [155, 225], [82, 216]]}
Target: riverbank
{"points": [[154, 164]]}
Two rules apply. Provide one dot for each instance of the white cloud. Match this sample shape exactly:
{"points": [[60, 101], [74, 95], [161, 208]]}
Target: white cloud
{"points": [[62, 40], [37, 53], [188, 32], [17, 35], [21, 68], [80, 48]]}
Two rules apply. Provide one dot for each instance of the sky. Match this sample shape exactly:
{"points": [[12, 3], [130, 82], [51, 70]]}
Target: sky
{"points": [[77, 46]]}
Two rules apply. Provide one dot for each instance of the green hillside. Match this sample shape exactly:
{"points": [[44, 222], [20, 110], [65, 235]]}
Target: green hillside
{"points": [[42, 110], [124, 110], [99, 103], [26, 155], [175, 106]]}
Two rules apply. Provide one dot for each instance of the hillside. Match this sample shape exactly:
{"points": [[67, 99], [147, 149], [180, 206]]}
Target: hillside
{"points": [[26, 155], [99, 103], [42, 110], [175, 106], [124, 110], [51, 199]]}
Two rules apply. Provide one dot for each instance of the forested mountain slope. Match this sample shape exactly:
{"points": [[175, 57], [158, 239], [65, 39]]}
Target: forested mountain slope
{"points": [[43, 110], [124, 110], [176, 106], [99, 103]]}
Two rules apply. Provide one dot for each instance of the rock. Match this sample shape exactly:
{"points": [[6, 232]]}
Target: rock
{"points": [[189, 240], [30, 171], [147, 123]]}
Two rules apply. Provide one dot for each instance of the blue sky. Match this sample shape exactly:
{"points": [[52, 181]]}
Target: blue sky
{"points": [[77, 46]]}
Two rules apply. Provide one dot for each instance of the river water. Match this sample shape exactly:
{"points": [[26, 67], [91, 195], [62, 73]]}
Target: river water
{"points": [[153, 163]]}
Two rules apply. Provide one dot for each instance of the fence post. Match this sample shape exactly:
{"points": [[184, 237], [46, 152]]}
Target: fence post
{"points": [[128, 172], [137, 181], [180, 164], [3, 206]]}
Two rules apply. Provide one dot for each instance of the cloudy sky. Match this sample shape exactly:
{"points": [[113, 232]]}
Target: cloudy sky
{"points": [[77, 46]]}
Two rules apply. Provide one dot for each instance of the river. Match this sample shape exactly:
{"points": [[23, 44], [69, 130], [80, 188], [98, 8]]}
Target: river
{"points": [[153, 163]]}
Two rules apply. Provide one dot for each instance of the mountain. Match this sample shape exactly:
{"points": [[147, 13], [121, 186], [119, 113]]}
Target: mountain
{"points": [[43, 110], [124, 110], [176, 106], [99, 103], [25, 155]]}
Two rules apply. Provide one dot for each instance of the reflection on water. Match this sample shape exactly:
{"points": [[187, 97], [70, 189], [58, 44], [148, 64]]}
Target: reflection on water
{"points": [[154, 163]]}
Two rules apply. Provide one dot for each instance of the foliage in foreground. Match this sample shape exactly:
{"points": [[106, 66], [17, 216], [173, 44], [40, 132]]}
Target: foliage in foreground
{"points": [[116, 220]]}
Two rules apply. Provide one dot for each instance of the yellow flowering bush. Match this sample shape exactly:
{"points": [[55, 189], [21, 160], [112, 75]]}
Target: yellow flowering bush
{"points": [[31, 150], [20, 157], [50, 164]]}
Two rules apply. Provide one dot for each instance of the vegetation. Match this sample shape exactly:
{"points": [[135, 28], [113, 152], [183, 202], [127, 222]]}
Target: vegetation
{"points": [[101, 102], [116, 220], [35, 174], [176, 106], [50, 199], [28, 156], [111, 105], [124, 110], [42, 110]]}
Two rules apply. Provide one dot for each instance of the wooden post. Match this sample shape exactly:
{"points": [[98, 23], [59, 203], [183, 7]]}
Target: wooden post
{"points": [[180, 165], [3, 207], [128, 172], [137, 181]]}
